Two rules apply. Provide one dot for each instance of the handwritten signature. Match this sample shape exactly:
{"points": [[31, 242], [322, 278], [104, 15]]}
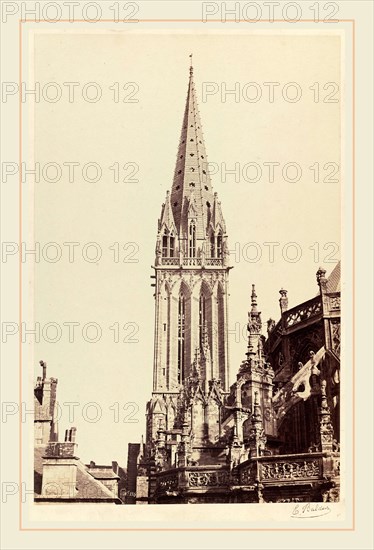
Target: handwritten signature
{"points": [[310, 510]]}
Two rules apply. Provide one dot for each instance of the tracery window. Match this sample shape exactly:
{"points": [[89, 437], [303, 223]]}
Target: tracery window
{"points": [[165, 245], [168, 245], [219, 245]]}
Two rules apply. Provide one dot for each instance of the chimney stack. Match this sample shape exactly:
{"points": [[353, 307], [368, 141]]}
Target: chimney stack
{"points": [[43, 364], [70, 435], [60, 468]]}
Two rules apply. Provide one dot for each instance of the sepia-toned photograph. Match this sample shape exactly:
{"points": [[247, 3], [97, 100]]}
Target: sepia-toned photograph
{"points": [[186, 261], [202, 168]]}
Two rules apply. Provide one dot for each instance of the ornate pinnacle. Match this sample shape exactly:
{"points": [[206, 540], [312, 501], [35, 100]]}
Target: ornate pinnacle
{"points": [[254, 328], [253, 300], [254, 319], [196, 363], [321, 278], [283, 300], [320, 274], [256, 415], [257, 437], [326, 428], [235, 438], [205, 342], [270, 324], [185, 427], [325, 409], [191, 67]]}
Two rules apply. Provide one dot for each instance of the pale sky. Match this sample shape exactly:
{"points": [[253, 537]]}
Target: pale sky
{"points": [[147, 133]]}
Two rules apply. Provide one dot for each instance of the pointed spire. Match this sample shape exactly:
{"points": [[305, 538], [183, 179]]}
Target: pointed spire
{"points": [[253, 300], [216, 218], [254, 329], [191, 172], [254, 316], [167, 218]]}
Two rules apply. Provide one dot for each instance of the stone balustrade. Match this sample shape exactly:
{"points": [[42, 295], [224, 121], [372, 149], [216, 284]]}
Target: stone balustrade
{"points": [[303, 312], [192, 262], [268, 470]]}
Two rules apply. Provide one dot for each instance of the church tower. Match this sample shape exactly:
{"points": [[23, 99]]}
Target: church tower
{"points": [[205, 441], [191, 287]]}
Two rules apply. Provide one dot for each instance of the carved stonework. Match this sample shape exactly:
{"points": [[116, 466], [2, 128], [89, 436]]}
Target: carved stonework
{"points": [[303, 312], [207, 441], [301, 344], [257, 437], [334, 302], [290, 470], [335, 335], [293, 499], [160, 458], [332, 495], [326, 427], [207, 479], [283, 300], [248, 475], [168, 483], [321, 279], [62, 450], [234, 477]]}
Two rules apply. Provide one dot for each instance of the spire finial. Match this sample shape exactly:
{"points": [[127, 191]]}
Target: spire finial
{"points": [[191, 67], [254, 299]]}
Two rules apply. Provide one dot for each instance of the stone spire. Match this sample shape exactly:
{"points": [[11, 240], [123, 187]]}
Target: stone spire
{"points": [[253, 300], [217, 222], [254, 325], [191, 178], [191, 273], [167, 218]]}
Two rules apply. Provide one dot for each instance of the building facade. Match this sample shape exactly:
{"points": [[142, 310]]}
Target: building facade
{"points": [[59, 475], [273, 436]]}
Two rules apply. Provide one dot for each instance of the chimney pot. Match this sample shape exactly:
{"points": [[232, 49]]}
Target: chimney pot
{"points": [[73, 433]]}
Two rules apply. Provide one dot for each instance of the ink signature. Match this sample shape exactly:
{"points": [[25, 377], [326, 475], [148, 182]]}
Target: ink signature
{"points": [[310, 510]]}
